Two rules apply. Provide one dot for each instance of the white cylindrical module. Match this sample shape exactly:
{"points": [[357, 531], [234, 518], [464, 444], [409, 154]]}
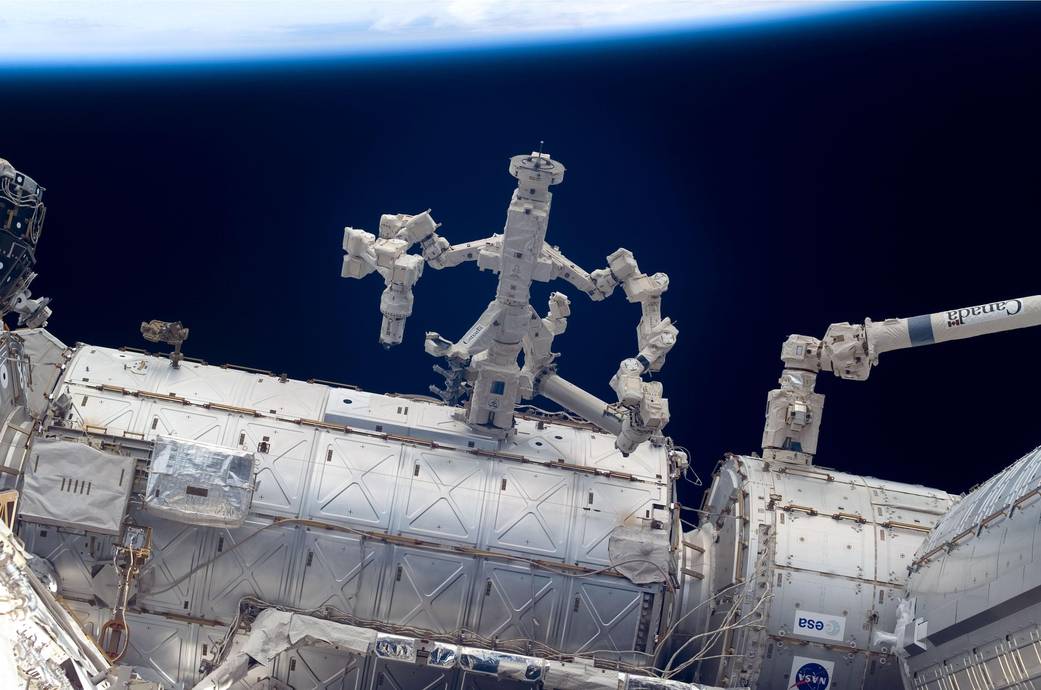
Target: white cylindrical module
{"points": [[973, 617], [379, 511], [799, 572]]}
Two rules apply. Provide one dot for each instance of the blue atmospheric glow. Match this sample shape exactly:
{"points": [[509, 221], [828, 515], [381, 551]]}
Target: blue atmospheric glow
{"points": [[99, 33]]}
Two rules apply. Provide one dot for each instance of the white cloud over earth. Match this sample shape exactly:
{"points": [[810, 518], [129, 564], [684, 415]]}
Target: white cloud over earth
{"points": [[85, 31]]}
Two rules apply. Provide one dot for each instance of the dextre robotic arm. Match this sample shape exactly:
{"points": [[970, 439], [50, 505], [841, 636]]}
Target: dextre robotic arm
{"points": [[483, 365]]}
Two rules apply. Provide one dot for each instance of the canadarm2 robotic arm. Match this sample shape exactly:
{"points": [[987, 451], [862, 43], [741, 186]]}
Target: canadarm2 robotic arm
{"points": [[793, 413]]}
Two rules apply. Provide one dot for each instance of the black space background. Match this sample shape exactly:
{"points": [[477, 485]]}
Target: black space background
{"points": [[884, 163]]}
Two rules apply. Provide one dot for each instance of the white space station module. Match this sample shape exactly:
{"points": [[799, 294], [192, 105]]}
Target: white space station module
{"points": [[165, 523]]}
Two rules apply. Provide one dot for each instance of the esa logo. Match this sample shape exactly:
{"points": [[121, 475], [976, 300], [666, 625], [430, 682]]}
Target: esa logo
{"points": [[811, 676], [829, 628], [820, 625]]}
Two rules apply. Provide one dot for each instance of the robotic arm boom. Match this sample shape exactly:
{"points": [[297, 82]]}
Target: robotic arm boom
{"points": [[794, 410], [644, 410]]}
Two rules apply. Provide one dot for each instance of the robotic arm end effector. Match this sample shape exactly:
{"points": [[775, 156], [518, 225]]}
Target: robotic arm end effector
{"points": [[646, 410], [360, 259], [844, 351], [396, 302], [388, 255], [32, 313], [646, 420]]}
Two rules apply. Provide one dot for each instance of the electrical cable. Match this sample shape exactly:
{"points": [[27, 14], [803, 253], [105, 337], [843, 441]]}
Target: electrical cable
{"points": [[672, 628], [740, 623]]}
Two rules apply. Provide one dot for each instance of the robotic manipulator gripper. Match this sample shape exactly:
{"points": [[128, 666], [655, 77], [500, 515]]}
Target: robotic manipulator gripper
{"points": [[21, 220], [482, 366]]}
